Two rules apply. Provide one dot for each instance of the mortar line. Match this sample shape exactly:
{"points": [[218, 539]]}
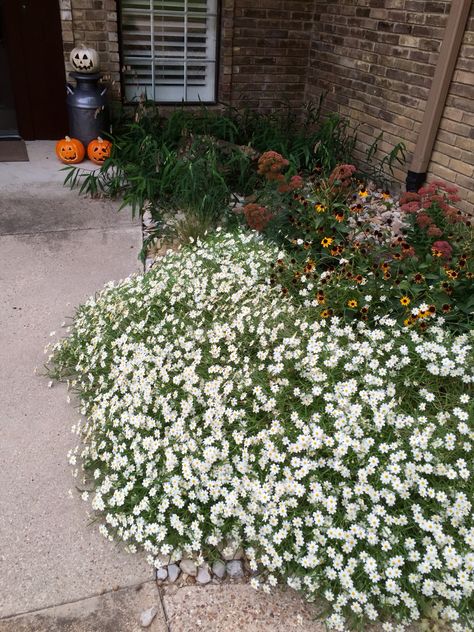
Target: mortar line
{"points": [[65, 603]]}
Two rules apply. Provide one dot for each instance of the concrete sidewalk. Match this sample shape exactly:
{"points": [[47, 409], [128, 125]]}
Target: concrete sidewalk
{"points": [[56, 249]]}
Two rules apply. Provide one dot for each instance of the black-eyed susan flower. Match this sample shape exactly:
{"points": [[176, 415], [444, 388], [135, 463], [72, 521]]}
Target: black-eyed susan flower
{"points": [[363, 193], [386, 195], [418, 278], [319, 208], [325, 313], [405, 301], [352, 303], [339, 216], [452, 274], [326, 242]]}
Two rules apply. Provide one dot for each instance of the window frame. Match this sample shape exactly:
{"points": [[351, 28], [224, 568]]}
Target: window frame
{"points": [[182, 103]]}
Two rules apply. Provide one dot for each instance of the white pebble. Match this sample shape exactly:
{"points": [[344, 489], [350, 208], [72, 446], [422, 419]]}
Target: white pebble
{"points": [[173, 572], [147, 616], [161, 574], [234, 569], [189, 567], [203, 575], [218, 568]]}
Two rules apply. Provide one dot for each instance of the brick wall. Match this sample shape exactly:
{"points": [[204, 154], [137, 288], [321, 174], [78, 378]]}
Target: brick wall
{"points": [[264, 51], [94, 23], [376, 59]]}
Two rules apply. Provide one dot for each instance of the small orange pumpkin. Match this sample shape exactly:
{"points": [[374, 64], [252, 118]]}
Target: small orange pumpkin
{"points": [[70, 150], [98, 150]]}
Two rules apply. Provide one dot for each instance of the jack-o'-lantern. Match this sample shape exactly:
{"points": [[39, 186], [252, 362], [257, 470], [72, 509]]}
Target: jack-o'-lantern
{"points": [[70, 150], [84, 59], [98, 150]]}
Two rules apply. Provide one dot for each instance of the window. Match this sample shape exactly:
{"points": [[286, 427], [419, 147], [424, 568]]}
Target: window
{"points": [[169, 49]]}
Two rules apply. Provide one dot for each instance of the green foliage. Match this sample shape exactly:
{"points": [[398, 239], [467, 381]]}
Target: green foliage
{"points": [[195, 161], [380, 170]]}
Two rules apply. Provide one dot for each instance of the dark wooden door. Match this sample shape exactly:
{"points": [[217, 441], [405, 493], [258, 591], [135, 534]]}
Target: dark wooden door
{"points": [[35, 50]]}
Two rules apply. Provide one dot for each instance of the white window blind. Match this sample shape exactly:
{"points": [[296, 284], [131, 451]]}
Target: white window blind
{"points": [[169, 49]]}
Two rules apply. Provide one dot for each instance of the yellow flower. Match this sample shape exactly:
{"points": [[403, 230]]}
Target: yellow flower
{"points": [[386, 195], [319, 208], [352, 303], [363, 193], [405, 301], [326, 242]]}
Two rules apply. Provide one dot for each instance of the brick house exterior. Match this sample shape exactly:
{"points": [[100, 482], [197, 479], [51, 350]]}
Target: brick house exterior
{"points": [[374, 60]]}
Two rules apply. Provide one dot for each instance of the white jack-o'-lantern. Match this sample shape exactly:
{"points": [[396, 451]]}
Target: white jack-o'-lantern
{"points": [[84, 59]]}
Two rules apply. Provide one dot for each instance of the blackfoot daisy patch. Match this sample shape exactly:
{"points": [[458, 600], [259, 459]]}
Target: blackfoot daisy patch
{"points": [[339, 456]]}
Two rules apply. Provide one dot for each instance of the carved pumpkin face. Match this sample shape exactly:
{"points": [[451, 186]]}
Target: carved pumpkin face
{"points": [[70, 150], [84, 59], [98, 150]]}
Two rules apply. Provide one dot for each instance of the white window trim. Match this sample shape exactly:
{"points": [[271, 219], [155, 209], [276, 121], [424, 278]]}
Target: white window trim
{"points": [[210, 59]]}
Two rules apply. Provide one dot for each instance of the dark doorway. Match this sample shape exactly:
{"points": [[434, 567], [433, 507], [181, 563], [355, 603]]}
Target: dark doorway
{"points": [[8, 123], [34, 54]]}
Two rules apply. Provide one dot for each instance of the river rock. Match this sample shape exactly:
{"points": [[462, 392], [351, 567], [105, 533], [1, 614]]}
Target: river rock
{"points": [[189, 567], [173, 572], [203, 575], [234, 569], [218, 568], [161, 574], [147, 616]]}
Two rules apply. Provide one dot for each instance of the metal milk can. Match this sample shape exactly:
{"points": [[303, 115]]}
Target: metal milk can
{"points": [[87, 107]]}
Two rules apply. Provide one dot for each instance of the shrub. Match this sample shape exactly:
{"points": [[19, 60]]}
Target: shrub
{"points": [[339, 456]]}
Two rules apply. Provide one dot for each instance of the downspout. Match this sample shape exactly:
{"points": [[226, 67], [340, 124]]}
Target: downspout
{"points": [[447, 59]]}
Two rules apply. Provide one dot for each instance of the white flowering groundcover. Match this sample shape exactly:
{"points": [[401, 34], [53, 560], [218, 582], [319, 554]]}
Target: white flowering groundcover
{"points": [[339, 456]]}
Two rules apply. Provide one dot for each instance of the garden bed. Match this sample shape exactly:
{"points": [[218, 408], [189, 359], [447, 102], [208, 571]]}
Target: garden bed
{"points": [[289, 396]]}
